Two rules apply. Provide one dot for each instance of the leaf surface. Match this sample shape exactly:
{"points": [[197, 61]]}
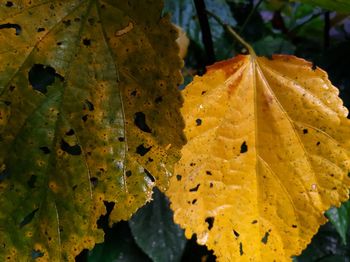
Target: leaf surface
{"points": [[88, 113], [267, 155]]}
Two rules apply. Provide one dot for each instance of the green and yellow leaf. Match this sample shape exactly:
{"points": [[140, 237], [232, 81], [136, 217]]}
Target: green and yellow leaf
{"points": [[88, 113], [267, 155]]}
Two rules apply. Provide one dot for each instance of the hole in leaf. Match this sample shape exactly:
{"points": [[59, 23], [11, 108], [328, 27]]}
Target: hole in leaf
{"points": [[236, 233], [244, 147], [87, 42], [17, 27], [94, 181], [142, 150], [40, 29], [178, 177], [40, 77], [70, 132], [31, 181], [194, 202], [66, 22], [210, 221], [140, 122], [208, 173], [305, 131], [45, 150], [28, 218], [198, 121], [36, 254], [265, 238], [241, 249], [158, 100], [128, 173], [149, 175], [90, 105], [9, 4], [84, 118], [4, 174], [254, 222], [72, 150], [195, 188], [121, 139]]}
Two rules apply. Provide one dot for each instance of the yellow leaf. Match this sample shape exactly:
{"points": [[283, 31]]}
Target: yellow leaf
{"points": [[267, 154]]}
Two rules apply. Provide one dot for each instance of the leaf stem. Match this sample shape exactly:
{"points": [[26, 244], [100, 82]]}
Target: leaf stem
{"points": [[229, 29], [250, 16], [205, 28]]}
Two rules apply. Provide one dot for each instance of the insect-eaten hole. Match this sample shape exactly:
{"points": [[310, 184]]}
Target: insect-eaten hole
{"points": [[241, 249], [305, 131], [32, 180], [140, 122], [40, 77], [198, 121], [158, 100], [90, 105], [244, 147], [87, 42], [36, 254], [149, 175], [210, 222], [70, 132], [45, 150], [94, 181], [72, 150], [9, 4], [265, 238], [84, 118], [28, 218], [128, 173], [209, 173], [195, 188], [17, 27], [4, 174], [142, 150], [236, 234], [178, 177]]}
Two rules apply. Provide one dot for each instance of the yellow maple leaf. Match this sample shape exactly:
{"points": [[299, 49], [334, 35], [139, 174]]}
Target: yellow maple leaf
{"points": [[267, 155]]}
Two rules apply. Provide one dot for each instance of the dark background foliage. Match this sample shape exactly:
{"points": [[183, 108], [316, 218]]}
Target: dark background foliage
{"points": [[270, 26]]}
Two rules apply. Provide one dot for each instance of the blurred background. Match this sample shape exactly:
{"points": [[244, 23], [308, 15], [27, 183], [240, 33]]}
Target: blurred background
{"points": [[317, 30]]}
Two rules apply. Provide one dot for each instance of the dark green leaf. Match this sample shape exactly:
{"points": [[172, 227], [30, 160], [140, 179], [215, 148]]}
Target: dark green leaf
{"points": [[155, 232], [342, 6], [340, 218], [119, 246]]}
